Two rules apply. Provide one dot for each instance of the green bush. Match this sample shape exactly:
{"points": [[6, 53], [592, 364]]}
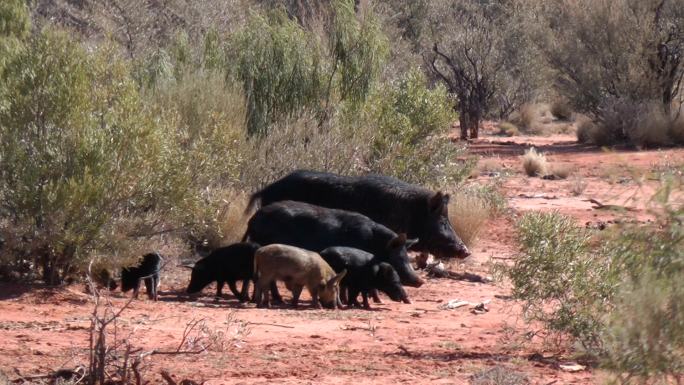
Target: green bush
{"points": [[78, 149], [619, 295], [562, 284], [279, 65], [409, 124], [14, 27]]}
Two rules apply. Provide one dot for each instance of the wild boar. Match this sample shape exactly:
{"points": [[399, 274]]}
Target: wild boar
{"points": [[316, 228], [364, 274], [297, 268], [402, 207], [225, 265], [148, 270]]}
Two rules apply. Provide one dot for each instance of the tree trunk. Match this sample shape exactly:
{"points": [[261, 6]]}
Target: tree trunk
{"points": [[464, 122]]}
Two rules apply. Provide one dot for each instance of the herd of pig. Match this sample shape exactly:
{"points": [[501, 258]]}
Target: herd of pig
{"points": [[337, 236]]}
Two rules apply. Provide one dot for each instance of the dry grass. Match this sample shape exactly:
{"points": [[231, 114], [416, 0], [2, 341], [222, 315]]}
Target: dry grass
{"points": [[561, 110], [585, 130], [527, 119], [468, 213], [650, 128], [534, 163], [507, 129], [677, 129], [561, 171], [577, 186], [227, 224], [499, 375]]}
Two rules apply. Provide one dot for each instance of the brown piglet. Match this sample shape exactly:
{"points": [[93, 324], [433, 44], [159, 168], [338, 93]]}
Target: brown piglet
{"points": [[297, 268]]}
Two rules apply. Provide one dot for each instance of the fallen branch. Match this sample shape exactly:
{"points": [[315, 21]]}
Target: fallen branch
{"points": [[270, 324], [600, 206]]}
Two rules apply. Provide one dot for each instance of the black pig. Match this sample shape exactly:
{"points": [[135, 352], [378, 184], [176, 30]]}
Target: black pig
{"points": [[317, 228], [364, 274], [225, 265], [147, 270], [402, 207]]}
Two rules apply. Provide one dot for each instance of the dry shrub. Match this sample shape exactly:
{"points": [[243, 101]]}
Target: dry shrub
{"points": [[561, 171], [677, 128], [507, 129], [577, 186], [650, 126], [499, 375], [534, 163], [585, 129], [527, 119], [222, 220], [468, 214], [561, 110]]}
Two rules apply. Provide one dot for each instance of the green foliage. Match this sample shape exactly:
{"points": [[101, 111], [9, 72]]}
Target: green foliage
{"points": [[620, 297], [14, 19], [77, 149], [204, 121], [645, 334], [561, 283], [278, 64], [409, 123], [358, 48]]}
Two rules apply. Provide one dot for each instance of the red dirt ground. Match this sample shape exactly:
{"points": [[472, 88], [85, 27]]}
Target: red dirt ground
{"points": [[42, 329]]}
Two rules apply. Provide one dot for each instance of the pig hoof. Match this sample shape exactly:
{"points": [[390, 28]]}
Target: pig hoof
{"points": [[407, 300]]}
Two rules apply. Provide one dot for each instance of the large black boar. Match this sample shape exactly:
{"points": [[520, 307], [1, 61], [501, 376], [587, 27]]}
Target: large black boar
{"points": [[225, 265], [403, 207], [364, 274], [148, 270], [317, 228]]}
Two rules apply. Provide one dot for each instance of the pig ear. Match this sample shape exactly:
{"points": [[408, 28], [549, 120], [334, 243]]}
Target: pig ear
{"points": [[335, 281], [398, 241], [439, 202]]}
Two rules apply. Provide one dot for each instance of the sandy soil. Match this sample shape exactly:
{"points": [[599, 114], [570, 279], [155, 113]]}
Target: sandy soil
{"points": [[44, 329]]}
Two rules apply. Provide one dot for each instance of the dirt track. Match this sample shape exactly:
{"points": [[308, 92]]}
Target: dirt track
{"points": [[42, 330]]}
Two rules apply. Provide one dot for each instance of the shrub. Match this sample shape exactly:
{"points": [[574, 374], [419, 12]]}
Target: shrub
{"points": [[508, 129], [78, 149], [677, 128], [14, 27], [645, 334], [470, 208], [561, 284], [561, 110], [527, 119], [279, 65], [333, 148], [499, 375], [408, 125], [561, 171], [204, 122], [534, 163], [585, 130]]}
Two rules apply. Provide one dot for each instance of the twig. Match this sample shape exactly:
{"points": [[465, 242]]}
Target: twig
{"points": [[270, 324]]}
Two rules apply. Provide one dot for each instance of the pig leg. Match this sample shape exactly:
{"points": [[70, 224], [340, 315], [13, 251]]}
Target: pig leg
{"points": [[244, 294], [376, 296], [296, 292], [353, 297], [366, 305], [314, 297], [151, 288], [343, 294], [234, 290], [219, 288], [276, 295], [136, 289]]}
